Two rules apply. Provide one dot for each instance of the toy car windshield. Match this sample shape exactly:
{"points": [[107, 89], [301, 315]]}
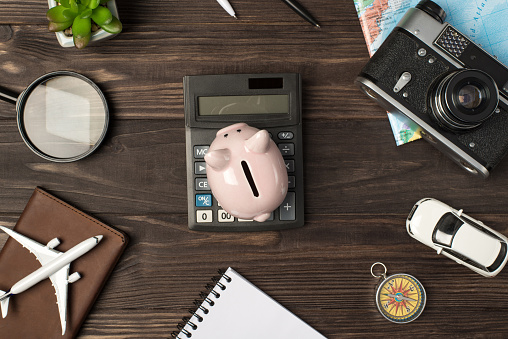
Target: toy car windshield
{"points": [[445, 229], [464, 238]]}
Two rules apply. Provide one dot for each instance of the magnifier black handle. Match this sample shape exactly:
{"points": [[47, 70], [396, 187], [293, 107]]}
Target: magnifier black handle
{"points": [[8, 96]]}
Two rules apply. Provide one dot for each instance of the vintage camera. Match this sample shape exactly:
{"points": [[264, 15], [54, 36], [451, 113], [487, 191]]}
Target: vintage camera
{"points": [[453, 89]]}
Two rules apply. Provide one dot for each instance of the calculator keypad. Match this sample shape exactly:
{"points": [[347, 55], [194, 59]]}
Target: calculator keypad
{"points": [[202, 184], [291, 181], [203, 200], [286, 211], [200, 151], [290, 165], [223, 216], [285, 135], [287, 148], [288, 207], [200, 167], [204, 216]]}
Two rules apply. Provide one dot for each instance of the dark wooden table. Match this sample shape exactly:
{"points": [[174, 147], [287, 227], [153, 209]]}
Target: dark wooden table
{"points": [[359, 187]]}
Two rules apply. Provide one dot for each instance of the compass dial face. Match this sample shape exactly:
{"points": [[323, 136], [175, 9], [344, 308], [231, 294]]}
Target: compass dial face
{"points": [[401, 298]]}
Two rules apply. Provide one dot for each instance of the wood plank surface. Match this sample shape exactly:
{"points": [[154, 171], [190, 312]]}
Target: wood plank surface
{"points": [[359, 187]]}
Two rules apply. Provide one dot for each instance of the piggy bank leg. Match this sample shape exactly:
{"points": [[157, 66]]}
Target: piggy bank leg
{"points": [[262, 217]]}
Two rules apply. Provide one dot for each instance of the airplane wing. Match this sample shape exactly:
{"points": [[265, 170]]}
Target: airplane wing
{"points": [[59, 279], [43, 253], [61, 284]]}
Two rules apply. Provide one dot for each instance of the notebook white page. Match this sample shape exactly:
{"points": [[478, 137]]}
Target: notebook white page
{"points": [[243, 311]]}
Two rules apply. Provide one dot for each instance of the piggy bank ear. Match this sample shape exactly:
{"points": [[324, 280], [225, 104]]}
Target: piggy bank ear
{"points": [[218, 159], [259, 142]]}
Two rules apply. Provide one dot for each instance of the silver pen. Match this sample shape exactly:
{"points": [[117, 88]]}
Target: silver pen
{"points": [[225, 4]]}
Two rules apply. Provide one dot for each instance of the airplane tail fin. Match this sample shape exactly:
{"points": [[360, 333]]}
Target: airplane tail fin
{"points": [[4, 303]]}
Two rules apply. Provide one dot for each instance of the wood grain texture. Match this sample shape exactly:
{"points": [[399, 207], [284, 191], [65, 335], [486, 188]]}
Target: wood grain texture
{"points": [[359, 187]]}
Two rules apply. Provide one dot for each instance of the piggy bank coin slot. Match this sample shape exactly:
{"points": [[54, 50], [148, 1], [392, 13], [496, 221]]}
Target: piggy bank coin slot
{"points": [[250, 179]]}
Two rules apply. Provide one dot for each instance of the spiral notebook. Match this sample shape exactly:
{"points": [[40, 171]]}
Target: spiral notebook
{"points": [[236, 309]]}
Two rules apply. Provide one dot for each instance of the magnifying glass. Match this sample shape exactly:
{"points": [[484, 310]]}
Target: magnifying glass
{"points": [[62, 116]]}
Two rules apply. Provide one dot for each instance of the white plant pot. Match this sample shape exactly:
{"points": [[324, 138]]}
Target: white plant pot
{"points": [[67, 41]]}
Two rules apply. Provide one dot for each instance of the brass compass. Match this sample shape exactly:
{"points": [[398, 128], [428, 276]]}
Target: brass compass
{"points": [[400, 297]]}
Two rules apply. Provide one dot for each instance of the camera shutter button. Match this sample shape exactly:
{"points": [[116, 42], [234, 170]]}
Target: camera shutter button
{"points": [[403, 81]]}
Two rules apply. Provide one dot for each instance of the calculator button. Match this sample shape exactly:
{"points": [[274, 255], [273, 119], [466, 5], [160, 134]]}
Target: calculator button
{"points": [[290, 165], [224, 216], [291, 181], [200, 151], [203, 200], [244, 220], [202, 184], [200, 167], [204, 216], [285, 135], [287, 208], [287, 148]]}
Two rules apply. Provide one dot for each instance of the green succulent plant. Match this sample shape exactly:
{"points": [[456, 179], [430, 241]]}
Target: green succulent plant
{"points": [[79, 14]]}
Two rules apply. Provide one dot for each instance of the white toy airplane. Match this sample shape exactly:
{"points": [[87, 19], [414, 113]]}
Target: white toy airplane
{"points": [[55, 266]]}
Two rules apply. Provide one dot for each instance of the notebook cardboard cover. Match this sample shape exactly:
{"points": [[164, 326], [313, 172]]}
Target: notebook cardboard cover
{"points": [[34, 313]]}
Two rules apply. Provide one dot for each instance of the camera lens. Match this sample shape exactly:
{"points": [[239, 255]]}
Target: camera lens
{"points": [[470, 97], [464, 99], [432, 9]]}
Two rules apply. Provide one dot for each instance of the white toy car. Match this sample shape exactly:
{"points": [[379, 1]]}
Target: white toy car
{"points": [[458, 236]]}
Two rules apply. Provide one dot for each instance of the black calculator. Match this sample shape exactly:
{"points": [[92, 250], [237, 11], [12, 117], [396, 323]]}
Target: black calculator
{"points": [[265, 101]]}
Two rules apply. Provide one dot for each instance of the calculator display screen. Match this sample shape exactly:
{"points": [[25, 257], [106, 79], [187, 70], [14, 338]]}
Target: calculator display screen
{"points": [[243, 104]]}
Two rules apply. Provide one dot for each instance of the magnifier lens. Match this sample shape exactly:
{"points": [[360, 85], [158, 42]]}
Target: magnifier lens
{"points": [[64, 118]]}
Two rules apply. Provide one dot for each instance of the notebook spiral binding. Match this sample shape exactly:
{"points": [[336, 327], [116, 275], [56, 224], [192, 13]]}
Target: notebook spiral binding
{"points": [[200, 305]]}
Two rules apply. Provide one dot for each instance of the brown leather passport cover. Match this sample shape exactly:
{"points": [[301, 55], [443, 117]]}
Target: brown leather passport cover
{"points": [[34, 313]]}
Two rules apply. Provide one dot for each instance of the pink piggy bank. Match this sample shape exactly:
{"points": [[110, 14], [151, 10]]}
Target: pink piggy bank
{"points": [[246, 172]]}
